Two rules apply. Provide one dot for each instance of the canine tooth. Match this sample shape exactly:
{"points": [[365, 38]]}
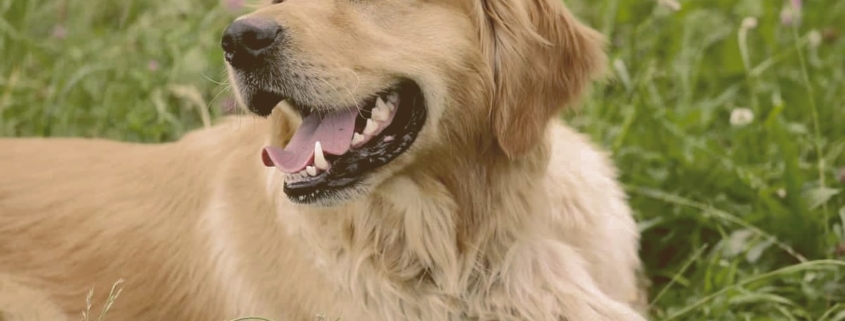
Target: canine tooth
{"points": [[381, 111], [371, 127], [320, 159], [357, 139], [393, 97], [312, 171]]}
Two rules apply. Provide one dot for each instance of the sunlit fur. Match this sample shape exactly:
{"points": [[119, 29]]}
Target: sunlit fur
{"points": [[498, 211]]}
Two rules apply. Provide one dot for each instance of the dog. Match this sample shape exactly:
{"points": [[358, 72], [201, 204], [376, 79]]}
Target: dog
{"points": [[405, 161]]}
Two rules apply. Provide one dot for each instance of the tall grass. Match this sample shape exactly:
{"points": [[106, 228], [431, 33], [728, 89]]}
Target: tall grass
{"points": [[741, 220]]}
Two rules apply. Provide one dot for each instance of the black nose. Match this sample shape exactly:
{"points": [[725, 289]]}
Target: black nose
{"points": [[246, 40]]}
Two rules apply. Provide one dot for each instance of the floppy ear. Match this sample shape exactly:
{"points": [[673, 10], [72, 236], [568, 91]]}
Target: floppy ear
{"points": [[542, 59]]}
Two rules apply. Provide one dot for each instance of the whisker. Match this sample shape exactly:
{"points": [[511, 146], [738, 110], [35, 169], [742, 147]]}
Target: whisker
{"points": [[353, 100], [357, 84], [222, 90], [223, 75]]}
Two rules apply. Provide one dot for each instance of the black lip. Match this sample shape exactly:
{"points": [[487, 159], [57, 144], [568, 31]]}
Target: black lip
{"points": [[350, 169], [263, 102]]}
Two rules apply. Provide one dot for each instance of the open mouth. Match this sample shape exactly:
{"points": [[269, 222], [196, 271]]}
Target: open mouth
{"points": [[332, 152]]}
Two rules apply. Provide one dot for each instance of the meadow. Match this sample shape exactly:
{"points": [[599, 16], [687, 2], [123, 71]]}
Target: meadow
{"points": [[725, 118]]}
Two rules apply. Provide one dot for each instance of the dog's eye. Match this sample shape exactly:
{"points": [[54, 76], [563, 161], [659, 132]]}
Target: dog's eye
{"points": [[277, 1]]}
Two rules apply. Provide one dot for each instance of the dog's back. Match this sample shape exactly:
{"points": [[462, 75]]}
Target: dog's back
{"points": [[68, 207], [187, 227], [77, 214]]}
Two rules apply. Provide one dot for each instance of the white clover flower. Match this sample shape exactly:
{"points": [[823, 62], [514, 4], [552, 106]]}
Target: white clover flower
{"points": [[815, 38], [787, 16], [741, 116], [674, 5], [791, 13], [749, 23]]}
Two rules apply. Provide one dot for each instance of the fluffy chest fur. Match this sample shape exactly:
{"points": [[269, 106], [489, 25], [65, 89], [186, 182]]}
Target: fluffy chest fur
{"points": [[417, 249]]}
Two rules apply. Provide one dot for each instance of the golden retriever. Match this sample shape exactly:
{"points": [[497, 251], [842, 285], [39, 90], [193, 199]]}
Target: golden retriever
{"points": [[408, 165]]}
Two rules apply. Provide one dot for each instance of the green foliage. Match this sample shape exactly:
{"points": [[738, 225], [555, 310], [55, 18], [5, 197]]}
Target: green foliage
{"points": [[740, 222], [117, 69], [720, 204]]}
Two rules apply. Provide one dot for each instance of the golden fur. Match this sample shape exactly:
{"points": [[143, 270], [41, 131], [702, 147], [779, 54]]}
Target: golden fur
{"points": [[497, 212]]}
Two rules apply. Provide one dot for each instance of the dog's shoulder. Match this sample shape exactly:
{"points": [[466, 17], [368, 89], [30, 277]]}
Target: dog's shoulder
{"points": [[574, 154]]}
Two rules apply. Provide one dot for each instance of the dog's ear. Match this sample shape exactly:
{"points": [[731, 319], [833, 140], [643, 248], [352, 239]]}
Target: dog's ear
{"points": [[542, 59]]}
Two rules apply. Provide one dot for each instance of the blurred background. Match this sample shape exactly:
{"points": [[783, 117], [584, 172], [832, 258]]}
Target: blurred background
{"points": [[726, 118]]}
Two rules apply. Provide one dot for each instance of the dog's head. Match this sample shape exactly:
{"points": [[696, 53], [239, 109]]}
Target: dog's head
{"points": [[379, 82]]}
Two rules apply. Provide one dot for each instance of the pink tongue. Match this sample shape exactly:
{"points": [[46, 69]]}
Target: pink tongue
{"points": [[334, 132]]}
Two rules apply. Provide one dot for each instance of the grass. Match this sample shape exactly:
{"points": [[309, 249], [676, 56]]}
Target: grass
{"points": [[114, 293], [739, 221]]}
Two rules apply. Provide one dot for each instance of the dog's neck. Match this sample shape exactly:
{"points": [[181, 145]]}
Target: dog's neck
{"points": [[406, 232], [489, 188]]}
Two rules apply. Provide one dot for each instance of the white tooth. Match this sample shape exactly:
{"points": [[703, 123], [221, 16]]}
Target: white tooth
{"points": [[312, 171], [357, 139], [371, 127], [380, 102], [319, 158], [391, 106], [381, 111], [393, 97]]}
